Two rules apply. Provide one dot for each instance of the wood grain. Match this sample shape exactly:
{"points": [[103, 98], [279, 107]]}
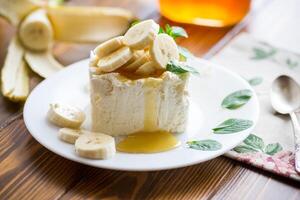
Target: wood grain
{"points": [[29, 171]]}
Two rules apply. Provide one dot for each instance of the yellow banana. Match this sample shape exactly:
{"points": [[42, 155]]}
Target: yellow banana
{"points": [[88, 24]]}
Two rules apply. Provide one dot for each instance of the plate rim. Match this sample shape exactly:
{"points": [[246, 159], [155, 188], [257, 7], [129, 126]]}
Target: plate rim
{"points": [[62, 154]]}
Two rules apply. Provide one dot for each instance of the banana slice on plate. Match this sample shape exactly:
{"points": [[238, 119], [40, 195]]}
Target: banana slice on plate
{"points": [[145, 57], [163, 50], [147, 69], [69, 135], [36, 31], [65, 115], [108, 47], [115, 60], [141, 35], [95, 146]]}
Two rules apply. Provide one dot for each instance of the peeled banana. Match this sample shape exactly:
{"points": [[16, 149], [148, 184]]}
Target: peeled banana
{"points": [[36, 31], [88, 24], [163, 50], [65, 116], [14, 76], [16, 10], [95, 146], [42, 63], [142, 59]]}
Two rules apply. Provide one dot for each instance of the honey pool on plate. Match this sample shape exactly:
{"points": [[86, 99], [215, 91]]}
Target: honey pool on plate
{"points": [[215, 13], [150, 140]]}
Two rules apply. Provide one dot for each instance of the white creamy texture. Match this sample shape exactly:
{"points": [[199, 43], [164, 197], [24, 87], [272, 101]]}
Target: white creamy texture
{"points": [[119, 104]]}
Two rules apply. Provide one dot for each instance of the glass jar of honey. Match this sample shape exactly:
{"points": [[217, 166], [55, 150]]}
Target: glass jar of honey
{"points": [[214, 13]]}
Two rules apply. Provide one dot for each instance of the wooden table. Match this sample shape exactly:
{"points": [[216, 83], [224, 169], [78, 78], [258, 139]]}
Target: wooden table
{"points": [[30, 171]]}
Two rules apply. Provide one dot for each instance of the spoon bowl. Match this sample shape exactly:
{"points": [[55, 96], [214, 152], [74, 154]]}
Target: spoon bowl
{"points": [[285, 95]]}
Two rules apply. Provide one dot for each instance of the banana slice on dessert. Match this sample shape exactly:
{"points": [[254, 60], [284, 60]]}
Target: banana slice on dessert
{"points": [[108, 47], [163, 50], [142, 59], [36, 31], [115, 60], [65, 116], [141, 35], [95, 146], [146, 69], [69, 135]]}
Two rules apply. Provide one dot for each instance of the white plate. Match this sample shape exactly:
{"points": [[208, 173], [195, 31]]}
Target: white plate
{"points": [[206, 94]]}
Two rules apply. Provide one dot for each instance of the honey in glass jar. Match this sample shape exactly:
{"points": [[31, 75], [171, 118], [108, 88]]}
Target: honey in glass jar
{"points": [[215, 13]]}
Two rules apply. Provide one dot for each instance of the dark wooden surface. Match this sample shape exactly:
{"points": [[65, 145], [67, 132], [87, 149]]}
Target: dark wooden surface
{"points": [[30, 171]]}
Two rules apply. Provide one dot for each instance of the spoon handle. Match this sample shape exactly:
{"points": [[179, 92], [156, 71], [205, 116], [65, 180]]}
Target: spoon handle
{"points": [[296, 127]]}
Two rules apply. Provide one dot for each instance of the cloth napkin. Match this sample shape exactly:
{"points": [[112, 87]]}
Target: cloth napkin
{"points": [[271, 144]]}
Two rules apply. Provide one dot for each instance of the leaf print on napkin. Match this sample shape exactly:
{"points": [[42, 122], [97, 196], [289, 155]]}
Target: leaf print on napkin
{"points": [[272, 149], [261, 53], [253, 144]]}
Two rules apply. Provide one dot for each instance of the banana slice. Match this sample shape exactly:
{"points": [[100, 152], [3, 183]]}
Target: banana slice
{"points": [[16, 10], [145, 57], [108, 47], [88, 24], [15, 76], [69, 135], [93, 59], [42, 63], [95, 146], [36, 31], [146, 69], [115, 60], [163, 50], [65, 116], [141, 35]]}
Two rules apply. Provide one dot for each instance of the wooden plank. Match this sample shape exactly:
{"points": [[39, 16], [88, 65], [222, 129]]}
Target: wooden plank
{"points": [[30, 171]]}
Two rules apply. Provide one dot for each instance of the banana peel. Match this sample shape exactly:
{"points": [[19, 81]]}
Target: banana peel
{"points": [[14, 76], [42, 63], [88, 24], [15, 10]]}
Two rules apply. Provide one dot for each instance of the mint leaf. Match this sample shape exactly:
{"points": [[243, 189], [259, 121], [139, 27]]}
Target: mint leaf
{"points": [[244, 149], [180, 68], [173, 31], [232, 126], [161, 30], [255, 142], [255, 81], [135, 22], [184, 54], [178, 32], [204, 145], [272, 149], [236, 99]]}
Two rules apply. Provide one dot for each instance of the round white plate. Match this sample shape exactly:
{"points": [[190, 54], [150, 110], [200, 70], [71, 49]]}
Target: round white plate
{"points": [[207, 91]]}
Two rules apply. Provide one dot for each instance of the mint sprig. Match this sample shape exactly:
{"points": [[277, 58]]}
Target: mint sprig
{"points": [[180, 68], [173, 31]]}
